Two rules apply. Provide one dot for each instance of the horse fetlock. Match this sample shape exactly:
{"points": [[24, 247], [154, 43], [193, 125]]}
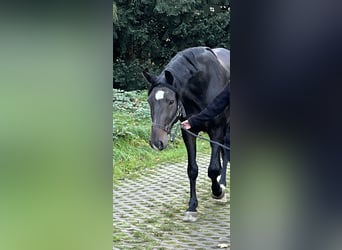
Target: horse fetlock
{"points": [[213, 173], [193, 203], [218, 192]]}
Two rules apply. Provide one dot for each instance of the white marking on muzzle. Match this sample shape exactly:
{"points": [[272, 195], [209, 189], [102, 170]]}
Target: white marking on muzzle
{"points": [[159, 95]]}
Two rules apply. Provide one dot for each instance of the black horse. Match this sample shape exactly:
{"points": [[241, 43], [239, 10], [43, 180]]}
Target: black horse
{"points": [[189, 82]]}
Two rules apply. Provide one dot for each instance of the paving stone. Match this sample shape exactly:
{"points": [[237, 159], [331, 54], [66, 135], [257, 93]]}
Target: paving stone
{"points": [[148, 211]]}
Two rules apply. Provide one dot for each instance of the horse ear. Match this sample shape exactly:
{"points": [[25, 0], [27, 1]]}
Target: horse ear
{"points": [[150, 78], [169, 77]]}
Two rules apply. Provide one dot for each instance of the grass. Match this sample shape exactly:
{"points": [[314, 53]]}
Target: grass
{"points": [[131, 131], [132, 154]]}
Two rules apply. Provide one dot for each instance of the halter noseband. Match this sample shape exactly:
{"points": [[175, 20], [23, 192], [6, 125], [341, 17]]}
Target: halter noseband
{"points": [[180, 109]]}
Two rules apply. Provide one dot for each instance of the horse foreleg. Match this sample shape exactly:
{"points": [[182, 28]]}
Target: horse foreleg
{"points": [[191, 212], [192, 174], [190, 143]]}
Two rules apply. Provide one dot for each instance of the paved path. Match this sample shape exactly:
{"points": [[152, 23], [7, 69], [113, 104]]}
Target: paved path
{"points": [[148, 211]]}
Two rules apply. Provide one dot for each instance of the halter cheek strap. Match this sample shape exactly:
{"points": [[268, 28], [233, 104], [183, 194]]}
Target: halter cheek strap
{"points": [[180, 113]]}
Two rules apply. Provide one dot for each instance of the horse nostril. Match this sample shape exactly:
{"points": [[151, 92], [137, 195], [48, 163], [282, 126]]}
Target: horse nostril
{"points": [[161, 145]]}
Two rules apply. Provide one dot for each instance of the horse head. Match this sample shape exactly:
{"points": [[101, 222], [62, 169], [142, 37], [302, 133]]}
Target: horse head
{"points": [[165, 106]]}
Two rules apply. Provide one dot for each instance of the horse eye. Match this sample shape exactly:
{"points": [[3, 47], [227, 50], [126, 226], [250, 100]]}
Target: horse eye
{"points": [[171, 102]]}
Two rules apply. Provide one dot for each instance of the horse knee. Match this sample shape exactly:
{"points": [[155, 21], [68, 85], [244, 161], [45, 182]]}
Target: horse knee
{"points": [[192, 172]]}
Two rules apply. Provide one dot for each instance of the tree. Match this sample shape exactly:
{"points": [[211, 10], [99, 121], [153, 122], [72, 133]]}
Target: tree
{"points": [[115, 14], [147, 33]]}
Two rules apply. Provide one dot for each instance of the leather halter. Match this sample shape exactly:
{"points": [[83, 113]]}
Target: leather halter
{"points": [[167, 128], [180, 109]]}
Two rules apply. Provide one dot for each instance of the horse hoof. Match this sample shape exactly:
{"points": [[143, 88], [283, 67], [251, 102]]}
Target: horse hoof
{"points": [[190, 216], [222, 198]]}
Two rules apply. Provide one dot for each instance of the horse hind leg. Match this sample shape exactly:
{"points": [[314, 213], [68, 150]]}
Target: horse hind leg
{"points": [[222, 196], [214, 171], [217, 173], [225, 160], [222, 178]]}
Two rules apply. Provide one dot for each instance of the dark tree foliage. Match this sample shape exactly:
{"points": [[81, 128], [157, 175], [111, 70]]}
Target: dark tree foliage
{"points": [[147, 33]]}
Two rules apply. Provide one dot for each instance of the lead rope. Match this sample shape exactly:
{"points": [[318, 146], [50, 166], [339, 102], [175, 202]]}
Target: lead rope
{"points": [[173, 136]]}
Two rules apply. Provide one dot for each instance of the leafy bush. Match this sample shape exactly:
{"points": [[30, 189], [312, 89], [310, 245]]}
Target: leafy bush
{"points": [[147, 33], [128, 76], [130, 114]]}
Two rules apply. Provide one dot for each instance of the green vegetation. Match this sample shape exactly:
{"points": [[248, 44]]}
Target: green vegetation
{"points": [[131, 131], [147, 33]]}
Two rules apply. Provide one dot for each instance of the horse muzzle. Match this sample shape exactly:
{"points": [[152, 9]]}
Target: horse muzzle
{"points": [[159, 139], [158, 146]]}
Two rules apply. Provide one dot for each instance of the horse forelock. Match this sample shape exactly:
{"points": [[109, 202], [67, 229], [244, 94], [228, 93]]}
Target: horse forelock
{"points": [[162, 85]]}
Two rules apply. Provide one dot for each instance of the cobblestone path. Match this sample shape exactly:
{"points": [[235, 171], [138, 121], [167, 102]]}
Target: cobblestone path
{"points": [[148, 211]]}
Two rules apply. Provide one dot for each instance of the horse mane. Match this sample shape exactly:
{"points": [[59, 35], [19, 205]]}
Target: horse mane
{"points": [[191, 79], [182, 66], [185, 64], [195, 75]]}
